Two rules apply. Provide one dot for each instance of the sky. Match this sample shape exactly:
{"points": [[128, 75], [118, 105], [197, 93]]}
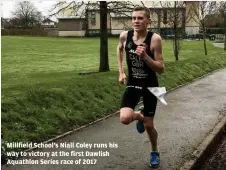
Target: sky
{"points": [[42, 5], [7, 6]]}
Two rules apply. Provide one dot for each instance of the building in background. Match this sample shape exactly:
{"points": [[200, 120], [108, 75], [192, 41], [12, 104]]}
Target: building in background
{"points": [[48, 23], [71, 26], [162, 16]]}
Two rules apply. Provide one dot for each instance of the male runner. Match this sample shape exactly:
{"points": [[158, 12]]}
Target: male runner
{"points": [[144, 58]]}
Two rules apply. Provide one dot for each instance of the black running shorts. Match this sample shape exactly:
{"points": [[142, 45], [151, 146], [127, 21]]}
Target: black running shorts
{"points": [[132, 96]]}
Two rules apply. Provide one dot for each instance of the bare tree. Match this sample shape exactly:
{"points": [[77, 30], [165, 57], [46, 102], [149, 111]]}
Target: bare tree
{"points": [[27, 14], [205, 7], [178, 34], [81, 9], [222, 13], [174, 16]]}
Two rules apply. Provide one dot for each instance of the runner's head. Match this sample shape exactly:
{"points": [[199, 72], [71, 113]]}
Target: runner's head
{"points": [[140, 18]]}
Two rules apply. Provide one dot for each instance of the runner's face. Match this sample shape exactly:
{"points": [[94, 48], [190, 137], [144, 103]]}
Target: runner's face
{"points": [[140, 21]]}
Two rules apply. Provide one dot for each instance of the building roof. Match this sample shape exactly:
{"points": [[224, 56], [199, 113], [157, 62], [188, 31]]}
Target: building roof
{"points": [[70, 17], [47, 20], [121, 15]]}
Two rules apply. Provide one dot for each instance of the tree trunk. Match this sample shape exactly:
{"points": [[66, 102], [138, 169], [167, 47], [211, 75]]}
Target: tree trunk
{"points": [[86, 24], [225, 42], [110, 26], [159, 18], [104, 65], [204, 38], [176, 52], [184, 24]]}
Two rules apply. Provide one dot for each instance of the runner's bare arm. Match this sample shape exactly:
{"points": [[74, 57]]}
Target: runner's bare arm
{"points": [[157, 64], [120, 49]]}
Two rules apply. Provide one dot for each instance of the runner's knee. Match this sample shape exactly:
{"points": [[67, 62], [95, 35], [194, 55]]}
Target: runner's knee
{"points": [[148, 123], [126, 116]]}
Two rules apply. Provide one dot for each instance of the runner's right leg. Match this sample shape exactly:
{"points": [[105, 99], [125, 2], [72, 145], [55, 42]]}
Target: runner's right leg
{"points": [[130, 99], [127, 116]]}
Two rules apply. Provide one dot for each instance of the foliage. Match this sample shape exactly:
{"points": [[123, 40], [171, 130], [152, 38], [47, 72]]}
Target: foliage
{"points": [[26, 15]]}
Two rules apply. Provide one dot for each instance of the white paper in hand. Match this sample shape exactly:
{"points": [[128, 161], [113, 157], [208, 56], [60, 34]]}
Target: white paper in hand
{"points": [[159, 92]]}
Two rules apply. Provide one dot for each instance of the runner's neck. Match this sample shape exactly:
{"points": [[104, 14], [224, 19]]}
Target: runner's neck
{"points": [[140, 35]]}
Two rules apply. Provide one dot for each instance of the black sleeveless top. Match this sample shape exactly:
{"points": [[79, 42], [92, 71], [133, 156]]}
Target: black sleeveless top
{"points": [[139, 74]]}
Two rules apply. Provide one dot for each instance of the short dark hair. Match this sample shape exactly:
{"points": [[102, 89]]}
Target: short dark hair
{"points": [[141, 8]]}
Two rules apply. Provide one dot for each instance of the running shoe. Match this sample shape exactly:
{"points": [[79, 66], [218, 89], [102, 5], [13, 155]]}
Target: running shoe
{"points": [[154, 160]]}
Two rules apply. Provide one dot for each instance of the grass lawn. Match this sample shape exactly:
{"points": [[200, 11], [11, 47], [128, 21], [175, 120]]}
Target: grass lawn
{"points": [[43, 94]]}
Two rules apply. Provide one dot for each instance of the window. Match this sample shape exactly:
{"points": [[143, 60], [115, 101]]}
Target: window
{"points": [[93, 18]]}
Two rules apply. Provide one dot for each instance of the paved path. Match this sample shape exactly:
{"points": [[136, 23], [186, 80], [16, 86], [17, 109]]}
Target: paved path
{"points": [[220, 45], [192, 112]]}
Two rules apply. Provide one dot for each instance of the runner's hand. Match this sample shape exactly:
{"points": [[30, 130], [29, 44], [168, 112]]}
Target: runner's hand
{"points": [[122, 78], [141, 50]]}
